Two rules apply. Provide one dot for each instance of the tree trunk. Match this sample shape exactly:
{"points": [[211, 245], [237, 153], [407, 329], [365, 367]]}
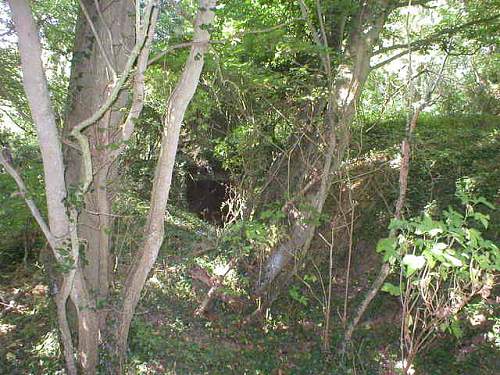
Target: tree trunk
{"points": [[58, 230], [94, 81], [341, 109], [154, 229], [90, 83]]}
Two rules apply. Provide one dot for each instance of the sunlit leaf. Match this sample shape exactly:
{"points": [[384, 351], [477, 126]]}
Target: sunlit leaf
{"points": [[392, 289], [413, 263]]}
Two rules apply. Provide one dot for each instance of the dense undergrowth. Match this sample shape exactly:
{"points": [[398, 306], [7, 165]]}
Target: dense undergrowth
{"points": [[167, 338]]}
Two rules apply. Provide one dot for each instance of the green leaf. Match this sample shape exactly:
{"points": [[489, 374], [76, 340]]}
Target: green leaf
{"points": [[298, 296], [397, 224], [444, 326], [392, 289], [438, 248], [482, 218], [455, 329], [310, 278], [455, 262], [386, 245], [484, 261], [483, 200], [429, 226], [413, 263], [453, 218], [431, 259], [474, 237]]}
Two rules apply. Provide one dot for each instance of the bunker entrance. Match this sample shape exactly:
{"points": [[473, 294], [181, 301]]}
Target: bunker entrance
{"points": [[206, 191]]}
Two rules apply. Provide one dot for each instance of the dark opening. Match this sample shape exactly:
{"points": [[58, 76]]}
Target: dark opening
{"points": [[206, 191]]}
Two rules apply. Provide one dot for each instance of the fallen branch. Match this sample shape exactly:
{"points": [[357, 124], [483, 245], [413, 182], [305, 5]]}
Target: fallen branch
{"points": [[215, 284]]}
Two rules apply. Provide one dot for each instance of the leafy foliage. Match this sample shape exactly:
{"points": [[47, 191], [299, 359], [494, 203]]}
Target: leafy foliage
{"points": [[444, 263]]}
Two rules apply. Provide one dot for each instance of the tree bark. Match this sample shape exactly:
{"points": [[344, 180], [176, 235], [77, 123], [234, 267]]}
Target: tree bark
{"points": [[104, 37], [344, 94], [58, 230], [37, 91], [154, 229]]}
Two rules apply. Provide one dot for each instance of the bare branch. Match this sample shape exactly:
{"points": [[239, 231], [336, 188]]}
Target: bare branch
{"points": [[127, 128], [325, 57], [123, 76], [11, 118], [389, 60], [169, 49], [217, 283]]}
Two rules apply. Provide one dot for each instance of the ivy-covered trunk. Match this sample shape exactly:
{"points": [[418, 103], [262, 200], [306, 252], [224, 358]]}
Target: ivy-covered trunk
{"points": [[104, 35], [99, 55]]}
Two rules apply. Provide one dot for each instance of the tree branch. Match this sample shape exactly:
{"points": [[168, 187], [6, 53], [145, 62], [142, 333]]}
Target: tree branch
{"points": [[6, 161], [403, 4], [127, 128], [169, 49], [389, 60], [325, 56], [434, 36]]}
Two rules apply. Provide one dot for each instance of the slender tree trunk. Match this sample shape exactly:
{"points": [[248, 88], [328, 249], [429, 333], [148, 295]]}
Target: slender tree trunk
{"points": [[97, 78], [154, 229], [36, 88], [404, 171], [58, 230], [341, 109]]}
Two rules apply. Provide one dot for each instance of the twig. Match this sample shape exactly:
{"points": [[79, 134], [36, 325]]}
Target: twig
{"points": [[435, 36], [174, 47], [139, 89]]}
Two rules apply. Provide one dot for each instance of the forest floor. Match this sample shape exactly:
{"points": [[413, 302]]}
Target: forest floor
{"points": [[167, 338]]}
